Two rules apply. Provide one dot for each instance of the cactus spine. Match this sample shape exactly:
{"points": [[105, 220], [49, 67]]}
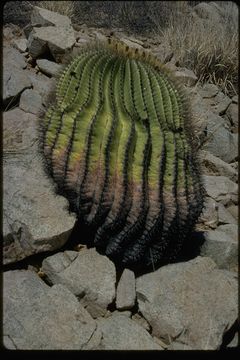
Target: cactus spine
{"points": [[118, 144]]}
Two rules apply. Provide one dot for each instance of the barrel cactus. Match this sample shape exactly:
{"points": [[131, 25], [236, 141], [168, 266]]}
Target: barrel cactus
{"points": [[118, 143]]}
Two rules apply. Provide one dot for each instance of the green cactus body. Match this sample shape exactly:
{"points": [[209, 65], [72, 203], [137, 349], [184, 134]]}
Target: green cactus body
{"points": [[118, 144]]}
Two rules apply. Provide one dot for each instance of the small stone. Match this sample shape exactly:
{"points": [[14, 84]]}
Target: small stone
{"points": [[222, 248], [122, 333], [219, 103], [21, 45], [234, 342], [31, 101], [141, 321], [207, 11], [232, 114], [179, 346], [235, 99], [100, 37], [224, 216], [49, 67], [186, 76], [90, 276], [212, 165], [14, 82], [233, 209], [220, 187], [208, 91], [126, 292]]}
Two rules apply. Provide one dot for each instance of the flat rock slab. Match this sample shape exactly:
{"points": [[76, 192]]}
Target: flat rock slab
{"points": [[35, 219], [187, 302], [89, 275], [222, 248], [39, 317], [126, 292], [122, 333]]}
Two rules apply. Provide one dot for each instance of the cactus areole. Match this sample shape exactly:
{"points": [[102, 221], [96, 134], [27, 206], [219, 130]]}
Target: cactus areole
{"points": [[118, 143]]}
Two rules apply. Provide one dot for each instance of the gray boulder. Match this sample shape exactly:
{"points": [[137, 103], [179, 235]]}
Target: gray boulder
{"points": [[222, 248], [89, 275], [179, 302], [207, 11], [212, 165], [39, 317], [126, 292], [122, 333], [58, 40], [34, 218], [224, 216], [15, 80]]}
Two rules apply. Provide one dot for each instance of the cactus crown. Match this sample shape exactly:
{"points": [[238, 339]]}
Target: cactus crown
{"points": [[118, 144]]}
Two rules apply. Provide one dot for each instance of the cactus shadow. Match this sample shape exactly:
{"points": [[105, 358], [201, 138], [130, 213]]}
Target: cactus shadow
{"points": [[83, 235]]}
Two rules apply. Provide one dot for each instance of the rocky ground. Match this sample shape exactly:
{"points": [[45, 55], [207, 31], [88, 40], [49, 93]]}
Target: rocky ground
{"points": [[59, 294]]}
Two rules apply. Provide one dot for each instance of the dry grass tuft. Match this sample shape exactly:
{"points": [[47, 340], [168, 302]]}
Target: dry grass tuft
{"points": [[208, 47]]}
